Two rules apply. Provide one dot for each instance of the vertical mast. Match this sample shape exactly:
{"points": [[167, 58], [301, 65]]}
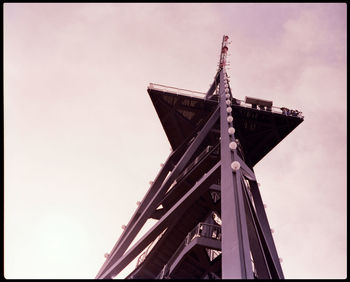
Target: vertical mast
{"points": [[235, 243]]}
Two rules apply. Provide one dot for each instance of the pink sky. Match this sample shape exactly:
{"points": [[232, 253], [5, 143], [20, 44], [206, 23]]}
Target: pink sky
{"points": [[82, 139]]}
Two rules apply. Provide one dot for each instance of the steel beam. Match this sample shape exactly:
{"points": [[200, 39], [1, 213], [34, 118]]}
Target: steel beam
{"points": [[150, 193], [213, 86], [159, 193], [236, 262], [246, 170], [256, 246], [168, 166], [175, 212], [266, 230], [204, 242]]}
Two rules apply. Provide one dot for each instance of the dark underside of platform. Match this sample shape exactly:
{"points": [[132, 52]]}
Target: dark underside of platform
{"points": [[258, 131]]}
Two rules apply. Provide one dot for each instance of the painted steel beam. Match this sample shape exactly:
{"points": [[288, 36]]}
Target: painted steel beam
{"points": [[159, 194], [171, 196], [261, 215], [151, 191], [205, 242], [236, 262], [168, 166], [256, 246], [176, 211], [213, 86], [247, 172]]}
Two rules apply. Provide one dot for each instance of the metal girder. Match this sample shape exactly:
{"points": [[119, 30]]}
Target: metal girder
{"points": [[245, 169], [150, 193], [266, 230], [158, 194], [168, 166], [169, 197], [205, 242], [256, 246], [235, 242], [213, 86], [245, 230], [177, 210], [158, 213]]}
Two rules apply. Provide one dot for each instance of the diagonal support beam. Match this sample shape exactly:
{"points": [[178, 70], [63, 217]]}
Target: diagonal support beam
{"points": [[213, 86], [245, 169], [257, 249], [168, 166], [159, 194], [150, 193], [175, 212], [264, 224]]}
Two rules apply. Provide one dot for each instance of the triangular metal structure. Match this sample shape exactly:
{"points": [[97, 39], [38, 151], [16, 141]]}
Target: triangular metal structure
{"points": [[211, 221]]}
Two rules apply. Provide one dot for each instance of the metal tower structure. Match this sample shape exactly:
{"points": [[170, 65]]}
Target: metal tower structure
{"points": [[210, 218]]}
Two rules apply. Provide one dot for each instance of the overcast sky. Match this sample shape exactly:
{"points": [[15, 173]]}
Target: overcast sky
{"points": [[82, 138]]}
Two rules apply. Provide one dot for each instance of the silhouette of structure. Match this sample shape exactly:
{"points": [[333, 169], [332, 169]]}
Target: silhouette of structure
{"points": [[211, 221]]}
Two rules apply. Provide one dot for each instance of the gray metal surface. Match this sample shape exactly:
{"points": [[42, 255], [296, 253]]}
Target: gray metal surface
{"points": [[235, 243]]}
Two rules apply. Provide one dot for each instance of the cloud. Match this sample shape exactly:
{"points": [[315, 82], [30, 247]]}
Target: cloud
{"points": [[81, 131]]}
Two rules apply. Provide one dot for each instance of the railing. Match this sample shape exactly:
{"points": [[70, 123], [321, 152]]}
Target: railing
{"points": [[196, 94], [203, 229], [274, 109], [175, 90]]}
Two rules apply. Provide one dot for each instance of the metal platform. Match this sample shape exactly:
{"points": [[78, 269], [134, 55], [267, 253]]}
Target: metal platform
{"points": [[182, 112]]}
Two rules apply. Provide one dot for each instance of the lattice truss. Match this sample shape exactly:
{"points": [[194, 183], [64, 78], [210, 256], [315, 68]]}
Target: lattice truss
{"points": [[210, 218]]}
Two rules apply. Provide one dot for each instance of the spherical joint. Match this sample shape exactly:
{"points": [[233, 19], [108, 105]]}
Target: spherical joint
{"points": [[235, 166], [233, 145], [229, 109], [231, 130], [229, 118]]}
